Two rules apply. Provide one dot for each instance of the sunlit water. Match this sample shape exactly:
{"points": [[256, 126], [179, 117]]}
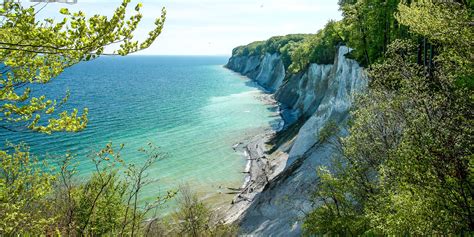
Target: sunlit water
{"points": [[191, 107]]}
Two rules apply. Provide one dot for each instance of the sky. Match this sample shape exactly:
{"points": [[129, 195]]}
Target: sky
{"points": [[214, 27]]}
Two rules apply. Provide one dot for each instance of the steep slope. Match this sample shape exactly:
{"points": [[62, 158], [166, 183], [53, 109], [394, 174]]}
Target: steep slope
{"points": [[314, 100]]}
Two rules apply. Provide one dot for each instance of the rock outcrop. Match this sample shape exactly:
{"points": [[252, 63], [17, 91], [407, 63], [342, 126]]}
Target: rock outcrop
{"points": [[310, 101]]}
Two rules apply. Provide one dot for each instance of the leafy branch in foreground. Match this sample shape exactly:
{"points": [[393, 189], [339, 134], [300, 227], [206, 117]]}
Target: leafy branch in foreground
{"points": [[35, 52]]}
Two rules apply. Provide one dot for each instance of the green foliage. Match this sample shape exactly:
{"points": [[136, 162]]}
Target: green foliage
{"points": [[194, 218], [100, 207], [299, 50], [35, 52], [24, 188], [272, 45], [252, 49], [287, 51], [341, 213], [330, 129], [36, 200], [444, 25], [319, 48], [406, 167], [369, 27]]}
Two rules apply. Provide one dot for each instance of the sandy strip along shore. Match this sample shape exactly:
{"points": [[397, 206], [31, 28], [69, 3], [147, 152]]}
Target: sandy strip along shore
{"points": [[260, 168]]}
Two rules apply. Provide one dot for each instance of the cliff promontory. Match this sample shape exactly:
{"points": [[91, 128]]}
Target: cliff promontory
{"points": [[315, 104]]}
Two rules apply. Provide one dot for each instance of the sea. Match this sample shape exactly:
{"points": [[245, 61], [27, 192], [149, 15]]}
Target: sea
{"points": [[190, 107]]}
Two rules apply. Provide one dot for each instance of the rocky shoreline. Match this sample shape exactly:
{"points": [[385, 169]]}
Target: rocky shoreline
{"points": [[281, 179], [260, 167]]}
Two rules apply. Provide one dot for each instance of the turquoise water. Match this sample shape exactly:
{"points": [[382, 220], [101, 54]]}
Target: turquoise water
{"points": [[191, 107]]}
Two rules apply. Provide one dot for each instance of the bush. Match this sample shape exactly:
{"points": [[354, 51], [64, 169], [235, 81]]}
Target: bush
{"points": [[36, 200], [24, 190], [194, 218]]}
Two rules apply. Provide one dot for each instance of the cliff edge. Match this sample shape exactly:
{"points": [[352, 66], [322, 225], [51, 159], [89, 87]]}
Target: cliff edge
{"points": [[315, 105]]}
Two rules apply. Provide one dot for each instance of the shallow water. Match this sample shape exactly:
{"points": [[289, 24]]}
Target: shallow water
{"points": [[191, 107]]}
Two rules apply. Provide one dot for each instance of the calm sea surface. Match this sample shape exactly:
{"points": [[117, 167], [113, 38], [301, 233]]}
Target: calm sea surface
{"points": [[191, 107]]}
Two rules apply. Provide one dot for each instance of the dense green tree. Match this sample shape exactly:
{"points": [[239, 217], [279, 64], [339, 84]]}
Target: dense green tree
{"points": [[272, 45], [370, 26], [407, 165], [447, 33], [319, 48], [287, 52]]}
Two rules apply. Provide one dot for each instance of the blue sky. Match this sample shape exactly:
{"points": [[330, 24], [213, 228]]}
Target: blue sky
{"points": [[215, 27]]}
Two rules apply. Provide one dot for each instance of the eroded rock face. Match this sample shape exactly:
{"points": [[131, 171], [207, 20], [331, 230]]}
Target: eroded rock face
{"points": [[244, 65], [321, 95], [272, 72], [302, 93], [334, 100], [267, 70]]}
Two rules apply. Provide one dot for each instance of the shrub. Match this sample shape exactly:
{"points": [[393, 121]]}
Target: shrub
{"points": [[194, 218]]}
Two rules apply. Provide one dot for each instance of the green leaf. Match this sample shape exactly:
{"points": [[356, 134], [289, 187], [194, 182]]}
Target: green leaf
{"points": [[139, 5], [64, 11]]}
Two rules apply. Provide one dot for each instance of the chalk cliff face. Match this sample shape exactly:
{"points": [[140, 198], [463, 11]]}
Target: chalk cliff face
{"points": [[267, 70], [315, 98]]}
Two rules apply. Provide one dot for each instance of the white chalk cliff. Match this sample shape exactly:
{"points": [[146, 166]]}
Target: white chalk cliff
{"points": [[309, 100]]}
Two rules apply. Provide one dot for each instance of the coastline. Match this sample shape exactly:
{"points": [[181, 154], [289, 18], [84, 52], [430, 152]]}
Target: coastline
{"points": [[260, 168], [308, 101]]}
